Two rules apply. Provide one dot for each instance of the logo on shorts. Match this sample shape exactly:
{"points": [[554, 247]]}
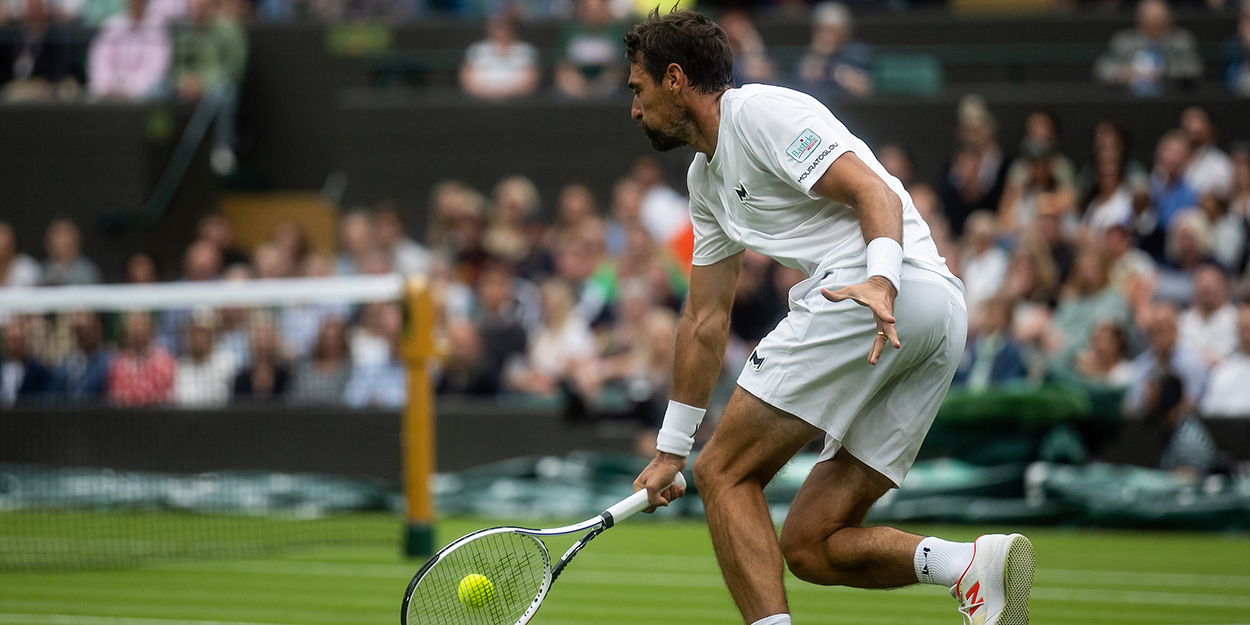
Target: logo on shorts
{"points": [[804, 145], [741, 190], [756, 361]]}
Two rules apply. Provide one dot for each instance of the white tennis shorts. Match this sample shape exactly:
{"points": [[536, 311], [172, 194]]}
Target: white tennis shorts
{"points": [[814, 365]]}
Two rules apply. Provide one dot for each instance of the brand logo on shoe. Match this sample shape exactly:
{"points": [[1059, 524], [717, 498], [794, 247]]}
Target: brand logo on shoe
{"points": [[973, 598]]}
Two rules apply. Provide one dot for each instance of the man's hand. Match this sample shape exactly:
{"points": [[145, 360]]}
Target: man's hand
{"points": [[658, 478], [877, 294]]}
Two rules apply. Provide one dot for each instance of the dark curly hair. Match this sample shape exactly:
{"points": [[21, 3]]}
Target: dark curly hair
{"points": [[689, 39]]}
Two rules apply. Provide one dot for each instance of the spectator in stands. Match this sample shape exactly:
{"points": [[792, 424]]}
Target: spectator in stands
{"points": [[209, 59], [200, 263], [1032, 283], [1210, 324], [993, 357], [65, 264], [515, 201], [267, 376], [501, 66], [645, 371], [591, 53], [271, 263], [16, 268], [217, 229], [377, 377], [22, 376], [1034, 180], [504, 317], [1229, 392], [757, 306], [1170, 192], [205, 377], [1148, 58], [291, 241], [321, 378], [37, 61], [626, 209], [1228, 232], [665, 212], [983, 264], [1087, 301], [300, 325], [930, 207], [407, 256], [1188, 248], [83, 375], [562, 351], [130, 56], [356, 238], [897, 162], [1103, 361], [1041, 131], [465, 370], [1110, 142], [978, 169], [1237, 73], [751, 62], [1110, 202], [1163, 355], [1210, 169], [835, 64], [142, 373], [1132, 271], [141, 269], [1048, 229], [1189, 451]]}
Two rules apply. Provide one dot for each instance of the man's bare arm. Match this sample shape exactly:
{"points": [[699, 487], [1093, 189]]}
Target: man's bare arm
{"points": [[850, 181]]}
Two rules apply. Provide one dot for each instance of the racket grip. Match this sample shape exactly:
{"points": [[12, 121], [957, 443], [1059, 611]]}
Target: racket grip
{"points": [[636, 503]]}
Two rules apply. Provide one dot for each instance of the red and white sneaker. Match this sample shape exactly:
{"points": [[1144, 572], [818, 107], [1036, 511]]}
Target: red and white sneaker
{"points": [[994, 589]]}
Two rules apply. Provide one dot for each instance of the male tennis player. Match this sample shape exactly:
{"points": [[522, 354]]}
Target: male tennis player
{"points": [[777, 173]]}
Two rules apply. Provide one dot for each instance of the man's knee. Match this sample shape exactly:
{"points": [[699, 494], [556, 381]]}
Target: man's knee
{"points": [[708, 473], [806, 554]]}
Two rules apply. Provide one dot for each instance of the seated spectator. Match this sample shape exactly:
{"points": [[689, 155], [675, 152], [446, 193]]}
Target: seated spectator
{"points": [[1041, 130], [978, 170], [1188, 248], [22, 376], [321, 378], [267, 376], [217, 229], [562, 350], [500, 66], [1048, 230], [929, 205], [1110, 142], [1151, 56], [1104, 361], [1034, 183], [271, 263], [378, 377], [1210, 169], [1228, 394], [1110, 202], [751, 62], [897, 162], [515, 202], [205, 377], [37, 61], [626, 209], [1170, 193], [142, 373], [83, 375], [299, 325], [141, 268], [1189, 451], [1087, 301], [130, 56], [1163, 355], [591, 52], [16, 268], [389, 231], [983, 263], [834, 63], [356, 239], [65, 264], [1210, 324], [202, 262], [646, 370], [1229, 232], [993, 357], [665, 212], [1237, 72], [465, 370], [209, 59], [506, 309], [1131, 271], [757, 306]]}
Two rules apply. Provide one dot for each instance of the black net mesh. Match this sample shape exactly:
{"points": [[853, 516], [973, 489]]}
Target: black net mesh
{"points": [[491, 580]]}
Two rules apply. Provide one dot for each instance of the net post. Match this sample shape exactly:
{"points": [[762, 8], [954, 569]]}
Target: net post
{"points": [[418, 420]]}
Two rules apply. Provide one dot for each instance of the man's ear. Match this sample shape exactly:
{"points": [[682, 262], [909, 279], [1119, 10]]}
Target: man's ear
{"points": [[674, 78]]}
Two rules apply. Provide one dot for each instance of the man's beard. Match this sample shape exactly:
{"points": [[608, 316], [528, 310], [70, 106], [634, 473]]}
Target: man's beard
{"points": [[672, 136]]}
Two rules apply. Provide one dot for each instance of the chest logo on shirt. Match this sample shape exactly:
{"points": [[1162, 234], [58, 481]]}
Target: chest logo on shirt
{"points": [[741, 191], [804, 145]]}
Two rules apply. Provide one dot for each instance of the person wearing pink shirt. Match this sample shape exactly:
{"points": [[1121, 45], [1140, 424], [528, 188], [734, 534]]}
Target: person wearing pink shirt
{"points": [[130, 57]]}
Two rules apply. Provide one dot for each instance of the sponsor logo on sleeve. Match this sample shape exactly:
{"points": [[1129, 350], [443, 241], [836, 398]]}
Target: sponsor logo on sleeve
{"points": [[819, 157], [803, 146]]}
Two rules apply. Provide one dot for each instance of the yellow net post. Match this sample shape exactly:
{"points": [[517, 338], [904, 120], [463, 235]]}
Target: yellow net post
{"points": [[418, 420]]}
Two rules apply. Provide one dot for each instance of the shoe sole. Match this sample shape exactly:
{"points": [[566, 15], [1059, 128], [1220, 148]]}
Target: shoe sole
{"points": [[1017, 581]]}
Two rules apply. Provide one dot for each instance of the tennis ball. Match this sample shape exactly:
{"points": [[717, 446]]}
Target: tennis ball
{"points": [[475, 590]]}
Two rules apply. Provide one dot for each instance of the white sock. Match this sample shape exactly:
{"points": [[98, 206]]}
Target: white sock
{"points": [[941, 562], [776, 619]]}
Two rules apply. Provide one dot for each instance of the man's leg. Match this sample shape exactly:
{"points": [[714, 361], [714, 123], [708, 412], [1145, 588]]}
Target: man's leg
{"points": [[752, 442], [825, 543]]}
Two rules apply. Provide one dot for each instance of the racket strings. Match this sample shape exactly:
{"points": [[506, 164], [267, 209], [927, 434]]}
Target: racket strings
{"points": [[515, 566]]}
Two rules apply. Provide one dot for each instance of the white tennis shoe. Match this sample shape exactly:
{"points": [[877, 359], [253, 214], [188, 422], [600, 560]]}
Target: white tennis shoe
{"points": [[994, 589]]}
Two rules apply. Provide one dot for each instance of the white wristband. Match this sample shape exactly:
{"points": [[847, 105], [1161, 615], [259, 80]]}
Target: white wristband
{"points": [[680, 423], [885, 259]]}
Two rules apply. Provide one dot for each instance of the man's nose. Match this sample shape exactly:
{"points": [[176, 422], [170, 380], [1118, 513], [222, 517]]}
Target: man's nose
{"points": [[636, 111]]}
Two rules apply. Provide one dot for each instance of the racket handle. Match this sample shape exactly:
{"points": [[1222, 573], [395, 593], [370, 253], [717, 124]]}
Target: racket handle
{"points": [[636, 503]]}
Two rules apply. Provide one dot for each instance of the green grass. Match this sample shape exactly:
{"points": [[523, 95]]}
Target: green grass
{"points": [[643, 573]]}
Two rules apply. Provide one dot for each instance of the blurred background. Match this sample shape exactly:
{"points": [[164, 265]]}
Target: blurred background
{"points": [[1084, 167]]}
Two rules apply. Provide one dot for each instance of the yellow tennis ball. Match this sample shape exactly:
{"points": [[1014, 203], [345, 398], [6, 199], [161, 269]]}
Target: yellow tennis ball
{"points": [[475, 590]]}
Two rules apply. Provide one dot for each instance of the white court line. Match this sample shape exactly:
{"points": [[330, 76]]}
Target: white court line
{"points": [[73, 619]]}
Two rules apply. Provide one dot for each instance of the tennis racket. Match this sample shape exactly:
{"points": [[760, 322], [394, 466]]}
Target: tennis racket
{"points": [[449, 589]]}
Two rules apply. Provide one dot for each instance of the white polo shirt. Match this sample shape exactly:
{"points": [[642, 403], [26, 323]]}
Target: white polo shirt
{"points": [[756, 192]]}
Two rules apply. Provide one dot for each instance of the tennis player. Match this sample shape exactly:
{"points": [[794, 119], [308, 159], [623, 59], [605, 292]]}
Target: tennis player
{"points": [[777, 173]]}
